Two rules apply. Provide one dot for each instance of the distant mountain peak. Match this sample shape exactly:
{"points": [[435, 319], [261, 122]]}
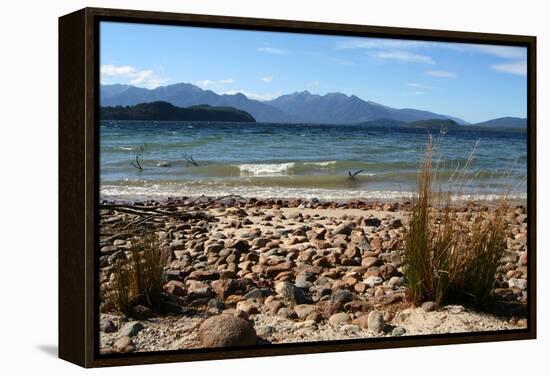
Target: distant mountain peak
{"points": [[335, 95], [304, 93]]}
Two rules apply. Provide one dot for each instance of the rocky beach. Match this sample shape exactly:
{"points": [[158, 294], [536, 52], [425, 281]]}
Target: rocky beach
{"points": [[241, 272]]}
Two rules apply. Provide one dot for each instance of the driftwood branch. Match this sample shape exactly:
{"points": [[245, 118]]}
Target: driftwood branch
{"points": [[190, 161], [143, 210], [136, 163], [178, 210], [215, 199]]}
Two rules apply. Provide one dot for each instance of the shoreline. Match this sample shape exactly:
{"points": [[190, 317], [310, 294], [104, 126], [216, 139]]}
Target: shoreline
{"points": [[399, 203], [297, 270]]}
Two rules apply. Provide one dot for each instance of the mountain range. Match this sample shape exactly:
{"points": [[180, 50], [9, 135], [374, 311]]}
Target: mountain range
{"points": [[299, 107], [341, 108]]}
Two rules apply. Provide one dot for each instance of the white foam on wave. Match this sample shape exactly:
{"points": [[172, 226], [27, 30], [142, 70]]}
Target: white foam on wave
{"points": [[158, 191], [324, 163], [269, 169]]}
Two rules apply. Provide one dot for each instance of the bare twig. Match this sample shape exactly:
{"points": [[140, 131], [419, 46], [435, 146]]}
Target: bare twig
{"points": [[138, 221], [190, 160], [179, 211], [137, 153]]}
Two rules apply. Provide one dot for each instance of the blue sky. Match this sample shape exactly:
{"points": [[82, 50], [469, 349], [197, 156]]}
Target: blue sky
{"points": [[473, 82]]}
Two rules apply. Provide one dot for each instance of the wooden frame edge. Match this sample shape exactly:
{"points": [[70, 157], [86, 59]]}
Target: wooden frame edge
{"points": [[77, 181], [72, 124]]}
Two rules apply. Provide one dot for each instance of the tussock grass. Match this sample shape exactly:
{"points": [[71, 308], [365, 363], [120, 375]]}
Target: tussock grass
{"points": [[139, 278], [446, 258], [483, 251]]}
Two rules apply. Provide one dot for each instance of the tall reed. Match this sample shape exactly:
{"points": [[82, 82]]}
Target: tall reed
{"points": [[446, 258]]}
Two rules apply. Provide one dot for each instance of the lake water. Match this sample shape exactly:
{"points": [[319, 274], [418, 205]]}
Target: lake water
{"points": [[293, 160]]}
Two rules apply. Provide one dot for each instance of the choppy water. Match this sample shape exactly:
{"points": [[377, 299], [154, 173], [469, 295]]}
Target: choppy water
{"points": [[290, 160]]}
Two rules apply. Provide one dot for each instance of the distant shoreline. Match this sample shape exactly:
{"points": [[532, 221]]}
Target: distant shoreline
{"points": [[432, 124]]}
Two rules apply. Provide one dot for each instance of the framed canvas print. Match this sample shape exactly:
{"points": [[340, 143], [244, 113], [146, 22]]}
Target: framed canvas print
{"points": [[235, 187]]}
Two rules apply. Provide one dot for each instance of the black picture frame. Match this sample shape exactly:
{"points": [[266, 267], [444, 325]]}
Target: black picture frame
{"points": [[79, 182]]}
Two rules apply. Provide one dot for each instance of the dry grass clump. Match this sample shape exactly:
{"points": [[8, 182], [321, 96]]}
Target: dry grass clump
{"points": [[448, 259], [139, 279]]}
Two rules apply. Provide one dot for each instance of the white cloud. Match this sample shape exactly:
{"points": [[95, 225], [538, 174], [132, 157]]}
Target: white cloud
{"points": [[127, 73], [518, 68], [417, 86], [113, 70], [255, 96], [272, 50], [399, 44], [440, 74], [507, 52], [267, 78], [513, 59], [374, 43], [403, 56], [205, 83]]}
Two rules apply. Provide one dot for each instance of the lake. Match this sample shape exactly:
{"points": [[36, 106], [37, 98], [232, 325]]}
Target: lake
{"points": [[299, 160]]}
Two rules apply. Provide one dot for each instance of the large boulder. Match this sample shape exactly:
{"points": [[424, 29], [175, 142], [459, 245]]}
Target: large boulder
{"points": [[227, 330]]}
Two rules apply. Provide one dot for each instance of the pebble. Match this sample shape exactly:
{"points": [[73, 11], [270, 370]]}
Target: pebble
{"points": [[376, 321], [373, 281], [341, 296], [291, 293], [362, 321], [130, 329], [519, 283], [339, 318], [287, 313], [124, 345], [107, 326], [395, 282], [398, 331], [304, 310]]}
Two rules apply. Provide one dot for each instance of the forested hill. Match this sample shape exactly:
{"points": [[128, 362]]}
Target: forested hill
{"points": [[164, 111]]}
